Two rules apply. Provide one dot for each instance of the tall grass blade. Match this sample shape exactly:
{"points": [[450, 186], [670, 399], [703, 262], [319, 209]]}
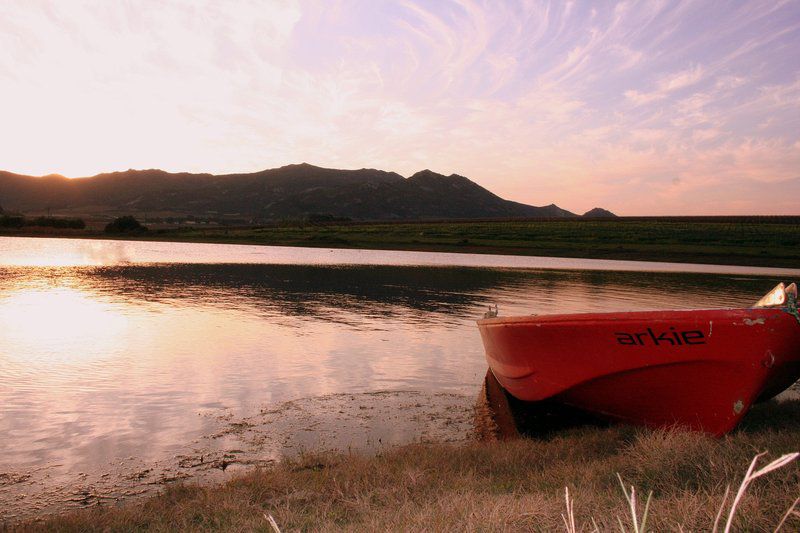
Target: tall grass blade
{"points": [[631, 498], [569, 519], [750, 476], [776, 464], [272, 523], [646, 511], [789, 513], [721, 509]]}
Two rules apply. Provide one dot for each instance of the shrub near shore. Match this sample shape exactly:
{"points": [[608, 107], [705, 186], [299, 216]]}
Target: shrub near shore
{"points": [[19, 221], [507, 486]]}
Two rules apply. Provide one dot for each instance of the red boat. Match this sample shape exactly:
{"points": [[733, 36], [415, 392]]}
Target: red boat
{"points": [[696, 369]]}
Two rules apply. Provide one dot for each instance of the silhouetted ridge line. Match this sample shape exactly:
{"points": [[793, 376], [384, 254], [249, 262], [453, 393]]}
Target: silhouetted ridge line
{"points": [[291, 191], [599, 212]]}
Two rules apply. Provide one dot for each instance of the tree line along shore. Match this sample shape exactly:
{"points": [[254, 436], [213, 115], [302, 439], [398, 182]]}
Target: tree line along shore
{"points": [[755, 241]]}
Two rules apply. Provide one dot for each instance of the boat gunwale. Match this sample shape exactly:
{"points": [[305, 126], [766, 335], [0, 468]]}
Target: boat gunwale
{"points": [[663, 314]]}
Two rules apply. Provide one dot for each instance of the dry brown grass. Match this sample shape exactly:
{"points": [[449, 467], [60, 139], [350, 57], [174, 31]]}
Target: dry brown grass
{"points": [[509, 486]]}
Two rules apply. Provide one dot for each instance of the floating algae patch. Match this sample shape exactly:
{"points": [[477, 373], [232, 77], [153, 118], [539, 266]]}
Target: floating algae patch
{"points": [[364, 422]]}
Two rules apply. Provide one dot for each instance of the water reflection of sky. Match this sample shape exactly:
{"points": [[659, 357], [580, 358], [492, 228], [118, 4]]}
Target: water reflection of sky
{"points": [[25, 251], [100, 362]]}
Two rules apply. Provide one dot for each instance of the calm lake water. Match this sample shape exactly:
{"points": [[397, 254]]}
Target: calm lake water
{"points": [[113, 349]]}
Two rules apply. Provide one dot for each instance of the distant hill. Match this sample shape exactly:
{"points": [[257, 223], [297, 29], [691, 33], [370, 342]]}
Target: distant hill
{"points": [[287, 192], [599, 212]]}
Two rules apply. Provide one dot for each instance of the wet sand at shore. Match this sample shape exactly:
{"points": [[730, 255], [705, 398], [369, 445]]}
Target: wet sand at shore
{"points": [[361, 423]]}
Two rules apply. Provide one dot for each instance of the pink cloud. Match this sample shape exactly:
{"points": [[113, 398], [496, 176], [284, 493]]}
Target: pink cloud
{"points": [[540, 102]]}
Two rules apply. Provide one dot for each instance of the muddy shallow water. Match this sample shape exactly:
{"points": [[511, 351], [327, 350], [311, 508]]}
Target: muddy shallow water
{"points": [[367, 422], [122, 369]]}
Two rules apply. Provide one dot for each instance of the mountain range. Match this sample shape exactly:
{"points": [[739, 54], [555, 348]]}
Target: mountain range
{"points": [[290, 191]]}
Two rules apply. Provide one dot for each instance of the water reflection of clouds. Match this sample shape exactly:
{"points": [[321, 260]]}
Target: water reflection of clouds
{"points": [[130, 353], [22, 251]]}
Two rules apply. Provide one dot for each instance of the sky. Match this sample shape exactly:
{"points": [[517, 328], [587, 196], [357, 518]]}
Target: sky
{"points": [[644, 108]]}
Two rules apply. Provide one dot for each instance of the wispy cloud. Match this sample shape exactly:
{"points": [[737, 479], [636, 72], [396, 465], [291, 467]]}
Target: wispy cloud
{"points": [[637, 106], [667, 85]]}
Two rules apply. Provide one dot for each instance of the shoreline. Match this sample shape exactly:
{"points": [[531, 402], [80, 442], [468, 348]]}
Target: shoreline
{"points": [[241, 253], [468, 485], [369, 423], [475, 238]]}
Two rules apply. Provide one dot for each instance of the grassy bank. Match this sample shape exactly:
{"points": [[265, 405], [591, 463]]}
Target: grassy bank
{"points": [[507, 486], [756, 241]]}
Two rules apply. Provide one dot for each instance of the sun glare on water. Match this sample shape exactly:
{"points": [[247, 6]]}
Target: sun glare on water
{"points": [[54, 324], [33, 252]]}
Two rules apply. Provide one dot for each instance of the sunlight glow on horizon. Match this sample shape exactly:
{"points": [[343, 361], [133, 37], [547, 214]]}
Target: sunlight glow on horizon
{"points": [[644, 108]]}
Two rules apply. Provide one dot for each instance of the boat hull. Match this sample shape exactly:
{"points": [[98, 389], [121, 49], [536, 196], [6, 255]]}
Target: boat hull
{"points": [[697, 369]]}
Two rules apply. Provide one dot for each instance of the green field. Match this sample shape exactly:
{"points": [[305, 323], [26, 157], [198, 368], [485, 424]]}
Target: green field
{"points": [[757, 241], [724, 242]]}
